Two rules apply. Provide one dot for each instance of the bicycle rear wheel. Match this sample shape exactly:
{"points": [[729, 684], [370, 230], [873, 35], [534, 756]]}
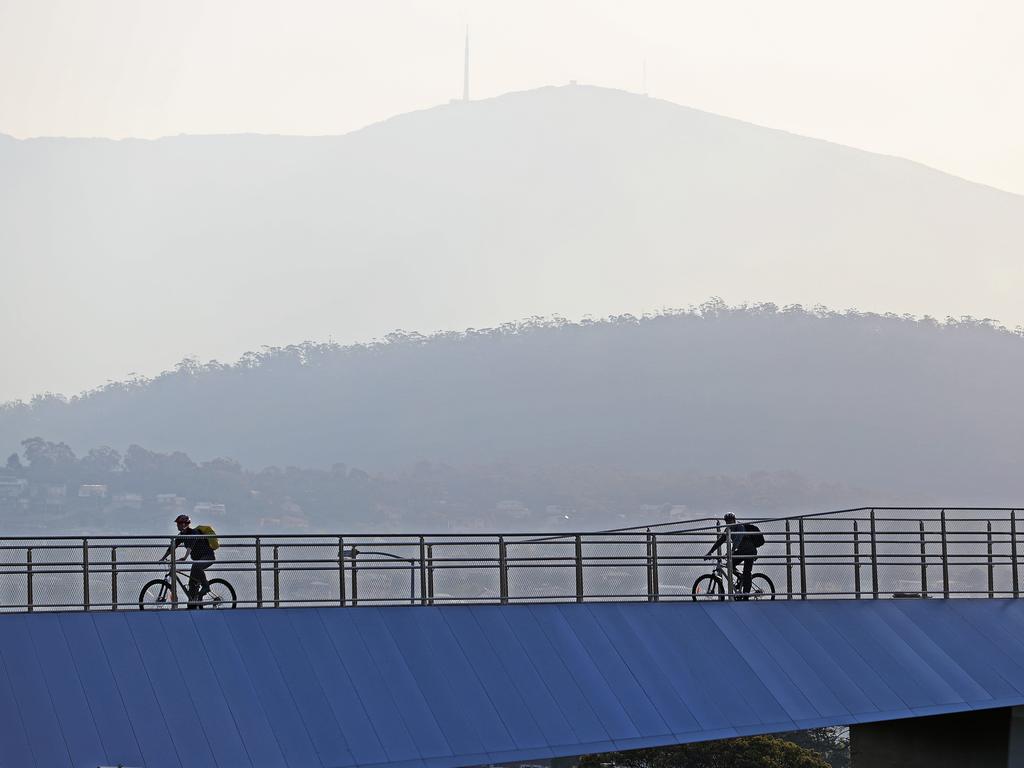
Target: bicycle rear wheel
{"points": [[221, 595], [708, 587], [761, 588], [156, 595]]}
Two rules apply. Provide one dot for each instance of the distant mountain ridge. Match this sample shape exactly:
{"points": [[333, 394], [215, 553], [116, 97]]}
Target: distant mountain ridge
{"points": [[920, 409], [127, 255]]}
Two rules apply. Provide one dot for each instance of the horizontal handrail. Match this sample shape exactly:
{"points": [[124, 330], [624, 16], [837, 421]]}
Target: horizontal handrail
{"points": [[862, 552]]}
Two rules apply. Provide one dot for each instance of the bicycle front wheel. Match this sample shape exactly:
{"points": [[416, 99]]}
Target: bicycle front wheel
{"points": [[761, 588], [708, 587], [221, 595], [156, 595]]}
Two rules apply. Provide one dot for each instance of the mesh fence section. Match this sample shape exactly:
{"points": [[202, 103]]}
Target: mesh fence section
{"points": [[897, 544], [971, 566], [14, 595], [1003, 561], [57, 579], [462, 571], [297, 574], [386, 573], [542, 570], [681, 561], [771, 557], [617, 567], [121, 569]]}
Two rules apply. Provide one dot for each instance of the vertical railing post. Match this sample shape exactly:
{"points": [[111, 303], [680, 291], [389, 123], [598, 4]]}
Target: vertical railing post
{"points": [[650, 586], [28, 583], [655, 571], [113, 578], [728, 564], [801, 543], [945, 554], [85, 574], [579, 568], [430, 572], [174, 574], [991, 565], [1013, 552], [924, 561], [502, 571], [277, 578], [259, 573], [789, 564], [874, 557], [423, 571], [341, 571], [856, 561], [355, 577]]}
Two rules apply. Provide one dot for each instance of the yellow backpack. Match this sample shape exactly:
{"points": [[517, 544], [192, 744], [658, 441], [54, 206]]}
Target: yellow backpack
{"points": [[211, 535]]}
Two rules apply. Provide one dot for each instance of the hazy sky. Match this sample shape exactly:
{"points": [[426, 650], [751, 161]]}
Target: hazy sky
{"points": [[938, 82]]}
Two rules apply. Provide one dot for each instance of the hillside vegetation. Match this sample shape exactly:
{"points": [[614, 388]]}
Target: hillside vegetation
{"points": [[894, 405]]}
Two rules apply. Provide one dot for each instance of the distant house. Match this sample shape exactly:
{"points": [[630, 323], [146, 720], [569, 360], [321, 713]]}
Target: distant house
{"points": [[289, 507], [92, 491], [171, 501], [49, 494], [128, 500], [209, 509], [12, 487]]}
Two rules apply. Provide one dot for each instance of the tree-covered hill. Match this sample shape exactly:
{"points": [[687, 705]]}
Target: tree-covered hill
{"points": [[922, 408]]}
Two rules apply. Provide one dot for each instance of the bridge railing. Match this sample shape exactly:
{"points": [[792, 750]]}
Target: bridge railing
{"points": [[857, 554]]}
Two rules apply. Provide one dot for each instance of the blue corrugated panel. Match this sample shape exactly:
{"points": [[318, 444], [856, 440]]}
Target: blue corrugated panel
{"points": [[429, 687]]}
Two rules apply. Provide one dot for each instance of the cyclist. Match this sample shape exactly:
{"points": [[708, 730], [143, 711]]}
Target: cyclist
{"points": [[198, 549], [744, 551]]}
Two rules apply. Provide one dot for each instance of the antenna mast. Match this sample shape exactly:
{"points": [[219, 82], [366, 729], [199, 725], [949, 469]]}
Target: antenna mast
{"points": [[465, 70]]}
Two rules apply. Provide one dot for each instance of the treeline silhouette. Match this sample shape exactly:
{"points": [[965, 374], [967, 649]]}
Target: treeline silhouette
{"points": [[141, 491], [893, 404]]}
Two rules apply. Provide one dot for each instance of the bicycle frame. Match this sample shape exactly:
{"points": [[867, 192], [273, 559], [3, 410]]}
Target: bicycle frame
{"points": [[721, 572], [175, 579], [731, 582]]}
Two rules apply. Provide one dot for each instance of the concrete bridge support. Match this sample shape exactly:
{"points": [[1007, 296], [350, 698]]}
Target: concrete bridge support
{"points": [[988, 738]]}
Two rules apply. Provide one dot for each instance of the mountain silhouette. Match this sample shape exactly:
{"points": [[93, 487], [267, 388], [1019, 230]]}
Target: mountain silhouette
{"points": [[128, 255], [917, 408]]}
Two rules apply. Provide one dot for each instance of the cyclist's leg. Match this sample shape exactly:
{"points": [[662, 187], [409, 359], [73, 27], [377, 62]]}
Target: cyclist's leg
{"points": [[193, 584], [746, 563], [204, 583], [198, 585], [748, 572]]}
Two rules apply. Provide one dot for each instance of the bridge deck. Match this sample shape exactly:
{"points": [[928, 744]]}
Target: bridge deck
{"points": [[464, 685]]}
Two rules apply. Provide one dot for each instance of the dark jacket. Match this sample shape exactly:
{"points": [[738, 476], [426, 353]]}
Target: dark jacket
{"points": [[198, 548], [742, 543]]}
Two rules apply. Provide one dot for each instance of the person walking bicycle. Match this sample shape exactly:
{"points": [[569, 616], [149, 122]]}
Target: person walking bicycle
{"points": [[746, 538]]}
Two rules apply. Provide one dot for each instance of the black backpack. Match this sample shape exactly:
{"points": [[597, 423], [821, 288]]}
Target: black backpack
{"points": [[756, 538]]}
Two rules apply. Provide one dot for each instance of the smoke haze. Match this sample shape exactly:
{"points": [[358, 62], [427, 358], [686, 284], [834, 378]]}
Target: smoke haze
{"points": [[125, 257]]}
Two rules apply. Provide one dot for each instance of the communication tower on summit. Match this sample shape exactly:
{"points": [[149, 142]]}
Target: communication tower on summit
{"points": [[465, 70]]}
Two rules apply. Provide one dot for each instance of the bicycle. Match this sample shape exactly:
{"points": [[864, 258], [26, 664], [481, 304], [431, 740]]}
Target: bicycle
{"points": [[711, 586], [154, 594]]}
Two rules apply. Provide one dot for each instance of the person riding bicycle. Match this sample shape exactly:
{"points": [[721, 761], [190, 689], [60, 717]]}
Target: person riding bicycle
{"points": [[197, 548], [744, 550]]}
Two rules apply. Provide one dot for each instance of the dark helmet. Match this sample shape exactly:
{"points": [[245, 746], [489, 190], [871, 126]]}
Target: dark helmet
{"points": [[183, 519], [730, 517]]}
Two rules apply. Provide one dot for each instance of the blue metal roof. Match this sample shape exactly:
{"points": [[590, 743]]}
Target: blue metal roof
{"points": [[464, 685]]}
